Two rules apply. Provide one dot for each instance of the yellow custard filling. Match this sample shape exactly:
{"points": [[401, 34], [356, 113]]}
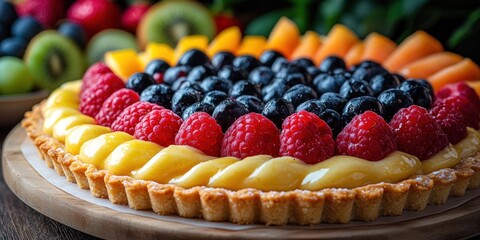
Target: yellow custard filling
{"points": [[187, 167]]}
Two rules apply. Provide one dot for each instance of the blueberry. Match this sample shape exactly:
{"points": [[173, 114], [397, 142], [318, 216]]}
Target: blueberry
{"points": [[231, 73], [331, 63], [178, 83], [139, 81], [367, 71], [334, 121], [299, 94], [4, 32], [193, 58], [182, 83], [333, 101], [393, 100], [293, 75], [74, 32], [382, 82], [355, 88], [216, 83], [325, 82], [227, 112], [303, 62], [246, 63], [244, 87], [367, 64], [361, 104], [279, 64], [8, 14], [160, 94], [313, 72], [399, 77], [13, 46], [268, 57], [183, 98], [174, 73], [261, 76], [26, 27], [314, 106], [427, 85], [420, 94], [253, 103], [157, 69], [198, 73], [275, 89], [215, 97], [277, 110], [221, 59], [197, 107]]}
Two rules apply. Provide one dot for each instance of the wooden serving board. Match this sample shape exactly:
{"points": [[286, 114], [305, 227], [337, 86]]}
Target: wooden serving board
{"points": [[38, 193]]}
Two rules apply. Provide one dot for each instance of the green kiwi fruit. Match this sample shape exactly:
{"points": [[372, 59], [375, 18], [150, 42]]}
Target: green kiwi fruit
{"points": [[54, 59], [169, 21], [109, 40]]}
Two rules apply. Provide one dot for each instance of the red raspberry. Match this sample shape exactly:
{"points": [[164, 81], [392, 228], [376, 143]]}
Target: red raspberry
{"points": [[159, 126], [251, 134], [114, 105], [132, 115], [460, 89], [93, 74], [92, 99], [202, 132], [367, 136], [460, 104], [417, 133], [307, 137], [450, 120]]}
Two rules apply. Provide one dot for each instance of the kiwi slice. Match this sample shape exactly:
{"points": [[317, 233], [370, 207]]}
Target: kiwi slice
{"points": [[54, 59], [169, 21], [109, 40]]}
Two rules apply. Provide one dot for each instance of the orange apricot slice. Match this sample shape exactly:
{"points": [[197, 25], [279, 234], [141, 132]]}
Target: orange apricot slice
{"points": [[252, 45], [464, 70], [339, 40], [377, 48], [475, 85], [427, 66], [228, 40], [199, 42], [418, 45], [354, 55], [284, 37], [311, 41], [123, 62]]}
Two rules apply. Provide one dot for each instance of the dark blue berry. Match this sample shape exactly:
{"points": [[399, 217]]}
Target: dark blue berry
{"points": [[13, 46], [231, 73], [4, 32], [160, 94], [361, 104], [246, 63], [157, 69], [215, 97], [293, 75], [399, 77], [421, 95], [382, 82], [178, 83], [299, 94], [275, 89], [367, 64], [26, 27], [216, 83], [197, 107], [139, 81], [221, 59], [268, 57], [333, 101], [314, 106], [198, 73], [427, 85], [393, 100], [74, 32], [277, 110], [334, 121], [244, 87], [183, 83], [261, 76], [367, 71], [355, 88], [303, 62], [326, 82], [183, 98], [253, 103], [8, 14], [279, 63], [313, 72], [228, 111], [174, 73], [331, 63], [193, 58]]}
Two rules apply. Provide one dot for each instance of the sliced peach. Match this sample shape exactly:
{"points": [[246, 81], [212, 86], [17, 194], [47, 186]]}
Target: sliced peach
{"points": [[156, 51], [252, 45], [462, 71], [427, 66], [378, 48], [311, 41], [199, 42], [228, 40], [416, 46], [284, 37], [354, 55], [338, 42], [475, 84], [123, 62]]}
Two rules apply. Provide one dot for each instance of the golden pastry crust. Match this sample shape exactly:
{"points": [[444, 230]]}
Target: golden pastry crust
{"points": [[248, 206]]}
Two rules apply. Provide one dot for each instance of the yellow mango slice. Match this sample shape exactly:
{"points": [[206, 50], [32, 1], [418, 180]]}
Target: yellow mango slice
{"points": [[284, 37], [338, 42], [228, 40], [157, 51], [123, 62], [310, 43], [252, 45], [199, 42]]}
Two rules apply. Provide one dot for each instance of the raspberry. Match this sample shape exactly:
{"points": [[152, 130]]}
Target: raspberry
{"points": [[92, 75], [460, 89], [133, 114], [417, 133], [114, 105], [251, 134], [450, 120], [367, 136], [159, 126], [307, 137], [201, 131], [92, 99], [460, 104]]}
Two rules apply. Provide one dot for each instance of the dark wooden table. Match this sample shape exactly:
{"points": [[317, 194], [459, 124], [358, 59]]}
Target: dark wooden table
{"points": [[19, 221]]}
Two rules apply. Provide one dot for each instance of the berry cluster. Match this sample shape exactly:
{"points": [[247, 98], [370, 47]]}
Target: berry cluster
{"points": [[243, 106]]}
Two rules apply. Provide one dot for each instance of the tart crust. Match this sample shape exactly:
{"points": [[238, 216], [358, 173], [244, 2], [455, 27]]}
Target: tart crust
{"points": [[248, 206]]}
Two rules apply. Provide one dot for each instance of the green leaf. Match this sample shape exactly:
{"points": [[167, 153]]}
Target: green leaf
{"points": [[464, 30], [328, 14]]}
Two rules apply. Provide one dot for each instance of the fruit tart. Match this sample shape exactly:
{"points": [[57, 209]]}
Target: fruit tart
{"points": [[289, 132]]}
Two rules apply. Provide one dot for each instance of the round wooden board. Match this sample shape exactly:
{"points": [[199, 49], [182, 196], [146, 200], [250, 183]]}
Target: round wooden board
{"points": [[34, 190]]}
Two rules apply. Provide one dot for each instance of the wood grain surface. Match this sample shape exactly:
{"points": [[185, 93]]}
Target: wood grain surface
{"points": [[459, 223]]}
